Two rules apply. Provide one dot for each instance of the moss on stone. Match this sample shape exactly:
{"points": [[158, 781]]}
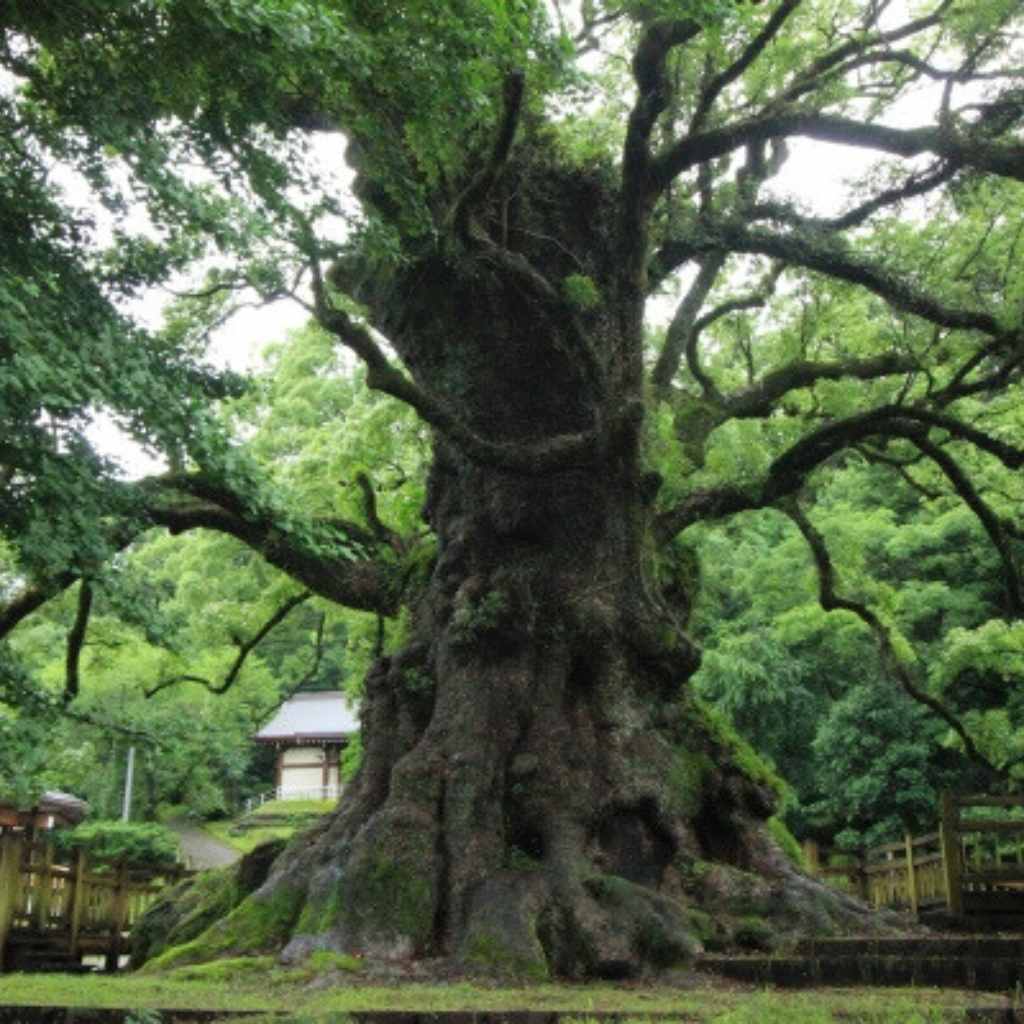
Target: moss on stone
{"points": [[754, 933]]}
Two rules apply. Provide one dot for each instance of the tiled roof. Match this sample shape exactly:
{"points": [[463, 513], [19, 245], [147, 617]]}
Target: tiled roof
{"points": [[312, 716]]}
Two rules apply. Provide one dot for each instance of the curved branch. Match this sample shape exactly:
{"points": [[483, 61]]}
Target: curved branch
{"points": [[759, 399], [245, 648], [653, 91], [831, 601], [681, 335], [487, 177], [349, 577], [988, 519], [899, 466], [788, 471], [76, 639], [961, 149], [32, 598], [915, 185], [826, 257]]}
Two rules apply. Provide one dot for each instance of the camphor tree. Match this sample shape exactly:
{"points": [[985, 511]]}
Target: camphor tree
{"points": [[538, 790]]}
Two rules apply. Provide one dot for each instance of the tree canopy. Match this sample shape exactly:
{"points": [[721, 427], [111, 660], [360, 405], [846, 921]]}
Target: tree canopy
{"points": [[590, 381]]}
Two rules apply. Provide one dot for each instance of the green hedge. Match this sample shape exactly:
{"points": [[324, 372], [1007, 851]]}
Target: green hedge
{"points": [[108, 842]]}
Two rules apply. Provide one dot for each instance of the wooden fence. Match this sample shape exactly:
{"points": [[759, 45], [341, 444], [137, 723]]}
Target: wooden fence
{"points": [[971, 864], [63, 911]]}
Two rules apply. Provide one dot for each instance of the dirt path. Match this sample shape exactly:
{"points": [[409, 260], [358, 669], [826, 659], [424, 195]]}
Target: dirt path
{"points": [[202, 850]]}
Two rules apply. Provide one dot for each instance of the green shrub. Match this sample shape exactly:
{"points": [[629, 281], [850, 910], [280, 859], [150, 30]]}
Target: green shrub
{"points": [[108, 842]]}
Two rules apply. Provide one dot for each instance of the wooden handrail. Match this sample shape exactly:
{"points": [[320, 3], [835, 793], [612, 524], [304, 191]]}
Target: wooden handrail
{"points": [[940, 865], [72, 904]]}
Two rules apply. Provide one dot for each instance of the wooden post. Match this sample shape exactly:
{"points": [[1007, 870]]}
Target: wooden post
{"points": [[10, 868], [908, 841], [43, 888], [76, 901], [951, 852], [861, 878], [120, 904]]}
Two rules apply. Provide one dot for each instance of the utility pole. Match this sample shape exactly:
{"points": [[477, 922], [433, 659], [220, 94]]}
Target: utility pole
{"points": [[129, 778]]}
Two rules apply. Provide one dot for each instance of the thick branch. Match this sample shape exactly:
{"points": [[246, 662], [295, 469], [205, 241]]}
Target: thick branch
{"points": [[759, 400], [76, 639], [961, 149], [351, 577], [31, 598], [653, 91], [831, 601], [787, 473]]}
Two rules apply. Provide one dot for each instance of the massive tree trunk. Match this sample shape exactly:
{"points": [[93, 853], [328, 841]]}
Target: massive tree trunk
{"points": [[539, 793]]}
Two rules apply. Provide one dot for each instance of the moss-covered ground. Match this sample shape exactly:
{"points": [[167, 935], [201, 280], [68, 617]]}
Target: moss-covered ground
{"points": [[324, 992]]}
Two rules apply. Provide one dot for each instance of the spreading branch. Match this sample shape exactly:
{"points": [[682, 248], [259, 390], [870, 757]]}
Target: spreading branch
{"points": [[830, 601], [787, 473]]}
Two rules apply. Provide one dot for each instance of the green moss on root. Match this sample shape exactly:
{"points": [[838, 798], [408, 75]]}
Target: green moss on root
{"points": [[257, 925], [386, 895]]}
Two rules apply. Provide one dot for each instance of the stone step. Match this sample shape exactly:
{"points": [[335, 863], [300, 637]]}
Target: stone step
{"points": [[929, 946], [983, 973]]}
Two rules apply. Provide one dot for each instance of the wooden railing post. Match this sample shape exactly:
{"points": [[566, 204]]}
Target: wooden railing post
{"points": [[76, 900], [119, 908], [951, 853], [10, 867], [861, 880], [43, 888], [908, 841]]}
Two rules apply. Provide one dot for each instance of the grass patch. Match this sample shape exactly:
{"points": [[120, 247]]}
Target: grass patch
{"points": [[294, 808], [256, 983], [246, 841]]}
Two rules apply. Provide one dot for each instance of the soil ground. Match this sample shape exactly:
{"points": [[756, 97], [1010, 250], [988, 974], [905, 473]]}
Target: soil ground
{"points": [[201, 850]]}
